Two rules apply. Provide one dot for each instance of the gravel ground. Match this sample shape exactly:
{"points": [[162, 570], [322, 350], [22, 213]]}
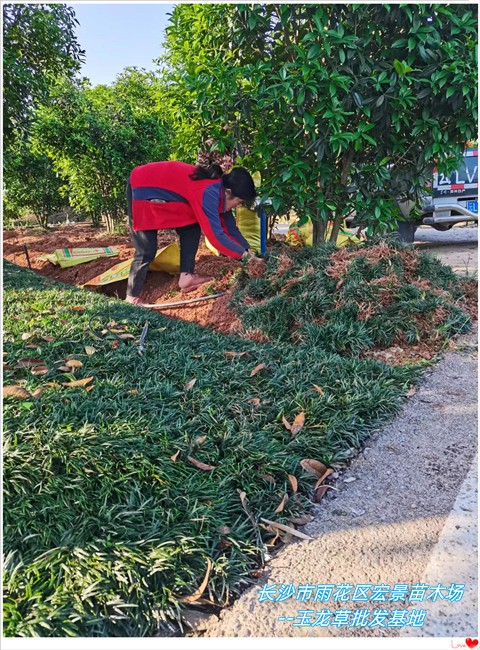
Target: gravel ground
{"points": [[403, 513]]}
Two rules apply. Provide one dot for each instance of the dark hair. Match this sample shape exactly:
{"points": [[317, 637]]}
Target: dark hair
{"points": [[240, 183], [203, 173]]}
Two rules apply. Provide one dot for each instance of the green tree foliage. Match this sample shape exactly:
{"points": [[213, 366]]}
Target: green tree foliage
{"points": [[39, 45], [196, 36], [344, 107], [32, 185], [95, 136]]}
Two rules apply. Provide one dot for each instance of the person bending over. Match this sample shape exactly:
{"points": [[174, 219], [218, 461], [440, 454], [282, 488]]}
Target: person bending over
{"points": [[191, 200]]}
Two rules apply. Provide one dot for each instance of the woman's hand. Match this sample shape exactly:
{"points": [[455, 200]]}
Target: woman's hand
{"points": [[248, 256], [255, 265]]}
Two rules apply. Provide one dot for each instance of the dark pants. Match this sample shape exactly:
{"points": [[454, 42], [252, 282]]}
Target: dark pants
{"points": [[145, 243]]}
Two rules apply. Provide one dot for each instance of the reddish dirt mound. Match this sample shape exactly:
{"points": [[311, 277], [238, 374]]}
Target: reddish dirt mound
{"points": [[162, 288], [159, 287]]}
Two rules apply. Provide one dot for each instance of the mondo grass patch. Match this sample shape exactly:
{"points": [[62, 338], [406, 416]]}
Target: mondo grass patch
{"points": [[348, 301], [135, 486]]}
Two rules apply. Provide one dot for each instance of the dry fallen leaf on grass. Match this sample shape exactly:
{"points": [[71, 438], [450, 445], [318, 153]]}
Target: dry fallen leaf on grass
{"points": [[293, 482], [200, 440], [255, 401], [302, 520], [257, 369], [318, 389], [175, 456], [323, 477], [198, 592], [74, 363], [298, 423], [90, 350], [314, 467], [286, 423], [78, 308], [49, 339], [267, 477], [286, 529], [282, 504], [16, 391], [199, 464], [411, 392], [235, 354], [30, 363], [321, 491], [190, 384], [26, 336], [78, 382], [39, 370]]}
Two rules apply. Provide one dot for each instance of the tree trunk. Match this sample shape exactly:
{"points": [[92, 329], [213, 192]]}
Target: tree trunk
{"points": [[319, 227], [109, 221], [337, 222]]}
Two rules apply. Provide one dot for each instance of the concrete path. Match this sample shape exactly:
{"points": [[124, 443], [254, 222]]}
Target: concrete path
{"points": [[405, 513]]}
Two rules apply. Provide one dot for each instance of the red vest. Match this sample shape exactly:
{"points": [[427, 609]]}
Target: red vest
{"points": [[163, 196]]}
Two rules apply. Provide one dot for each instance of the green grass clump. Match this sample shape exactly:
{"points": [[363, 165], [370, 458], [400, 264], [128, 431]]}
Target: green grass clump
{"points": [[351, 300], [103, 532]]}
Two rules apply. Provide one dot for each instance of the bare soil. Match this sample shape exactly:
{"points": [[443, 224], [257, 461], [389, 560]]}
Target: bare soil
{"points": [[161, 288]]}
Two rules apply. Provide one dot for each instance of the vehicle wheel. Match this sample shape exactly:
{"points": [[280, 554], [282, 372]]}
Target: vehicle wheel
{"points": [[443, 227]]}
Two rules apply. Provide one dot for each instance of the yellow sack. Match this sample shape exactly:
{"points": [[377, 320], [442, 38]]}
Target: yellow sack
{"points": [[167, 259], [249, 225], [303, 235]]}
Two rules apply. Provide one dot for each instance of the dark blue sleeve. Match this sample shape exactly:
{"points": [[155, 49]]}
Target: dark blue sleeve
{"points": [[205, 205]]}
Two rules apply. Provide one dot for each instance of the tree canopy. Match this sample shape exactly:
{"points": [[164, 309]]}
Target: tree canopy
{"points": [[344, 108], [39, 45]]}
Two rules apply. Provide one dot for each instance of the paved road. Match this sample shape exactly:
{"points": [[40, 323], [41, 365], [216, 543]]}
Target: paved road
{"points": [[457, 247], [405, 513]]}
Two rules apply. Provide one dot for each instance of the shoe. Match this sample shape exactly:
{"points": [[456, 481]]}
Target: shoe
{"points": [[134, 300]]}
